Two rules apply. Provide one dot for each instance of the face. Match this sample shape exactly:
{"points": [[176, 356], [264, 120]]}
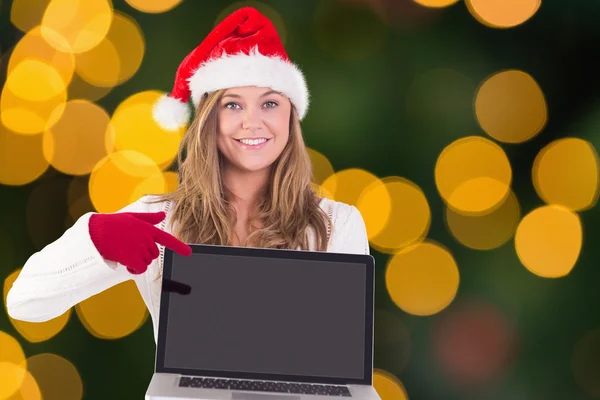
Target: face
{"points": [[253, 127]]}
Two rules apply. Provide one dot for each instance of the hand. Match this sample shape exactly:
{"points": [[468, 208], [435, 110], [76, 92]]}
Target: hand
{"points": [[131, 238]]}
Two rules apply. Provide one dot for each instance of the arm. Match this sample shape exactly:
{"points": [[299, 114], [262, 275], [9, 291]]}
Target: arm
{"points": [[64, 273], [356, 240]]}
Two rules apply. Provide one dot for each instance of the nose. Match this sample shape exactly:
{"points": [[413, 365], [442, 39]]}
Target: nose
{"points": [[252, 120]]}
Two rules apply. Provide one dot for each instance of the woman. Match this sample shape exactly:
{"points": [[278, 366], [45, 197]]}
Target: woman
{"points": [[245, 180]]}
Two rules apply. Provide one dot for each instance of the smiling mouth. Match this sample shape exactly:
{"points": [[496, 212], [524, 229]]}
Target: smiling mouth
{"points": [[253, 142]]}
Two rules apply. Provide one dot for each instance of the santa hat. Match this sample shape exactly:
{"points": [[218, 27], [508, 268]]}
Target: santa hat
{"points": [[243, 50]]}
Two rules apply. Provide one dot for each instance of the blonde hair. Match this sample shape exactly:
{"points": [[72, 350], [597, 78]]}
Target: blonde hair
{"points": [[201, 212]]}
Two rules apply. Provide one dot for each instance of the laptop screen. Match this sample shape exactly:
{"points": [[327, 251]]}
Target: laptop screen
{"points": [[267, 315]]}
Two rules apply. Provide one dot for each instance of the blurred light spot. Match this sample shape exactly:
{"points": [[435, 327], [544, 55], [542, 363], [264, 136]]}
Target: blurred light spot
{"points": [[441, 100], [347, 31], [80, 138], [474, 343], [80, 89], [27, 14], [153, 6], [321, 166], [400, 14], [473, 175], [33, 46], [12, 365], [117, 58], [113, 313], [585, 363], [397, 211], [503, 13], [265, 9], [78, 197], [320, 191], [436, 3], [116, 177], [487, 231], [388, 386], [29, 389], [35, 80], [135, 129], [21, 158], [171, 181], [565, 172], [35, 332], [548, 241], [392, 341], [56, 377], [74, 26], [422, 279], [347, 185], [29, 117], [510, 107], [46, 211]]}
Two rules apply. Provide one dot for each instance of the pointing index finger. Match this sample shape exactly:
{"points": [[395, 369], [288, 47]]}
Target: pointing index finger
{"points": [[170, 241]]}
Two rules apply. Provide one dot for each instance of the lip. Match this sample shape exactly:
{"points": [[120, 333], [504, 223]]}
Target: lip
{"points": [[253, 147]]}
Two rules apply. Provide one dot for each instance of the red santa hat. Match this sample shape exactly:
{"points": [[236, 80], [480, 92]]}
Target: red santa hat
{"points": [[243, 50]]}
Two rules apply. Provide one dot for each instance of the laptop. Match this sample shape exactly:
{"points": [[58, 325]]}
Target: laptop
{"points": [[265, 324]]}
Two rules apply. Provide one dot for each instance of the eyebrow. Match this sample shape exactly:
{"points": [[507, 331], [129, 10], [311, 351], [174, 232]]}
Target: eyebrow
{"points": [[237, 96]]}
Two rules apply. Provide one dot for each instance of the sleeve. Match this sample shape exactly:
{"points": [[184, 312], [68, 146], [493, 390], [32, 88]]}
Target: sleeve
{"points": [[356, 240], [64, 273]]}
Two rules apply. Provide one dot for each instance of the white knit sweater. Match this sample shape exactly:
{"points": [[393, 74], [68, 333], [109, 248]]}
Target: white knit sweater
{"points": [[70, 269]]}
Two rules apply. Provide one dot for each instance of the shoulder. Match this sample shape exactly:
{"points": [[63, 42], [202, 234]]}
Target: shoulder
{"points": [[147, 203], [341, 213], [348, 226]]}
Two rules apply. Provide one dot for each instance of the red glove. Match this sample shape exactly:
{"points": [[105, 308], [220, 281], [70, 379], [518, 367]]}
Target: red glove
{"points": [[130, 238]]}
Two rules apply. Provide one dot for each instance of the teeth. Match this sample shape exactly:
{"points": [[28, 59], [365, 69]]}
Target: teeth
{"points": [[253, 142]]}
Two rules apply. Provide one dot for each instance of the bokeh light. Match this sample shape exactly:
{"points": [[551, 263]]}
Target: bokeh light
{"points": [[487, 231], [12, 365], [30, 117], [548, 241], [56, 377], [511, 107], [565, 172], [171, 181], [388, 386], [436, 3], [503, 13], [117, 58], [34, 80], [321, 166], [74, 26], [117, 178], [27, 14], [474, 343], [33, 46], [29, 389], [268, 11], [135, 129], [80, 89], [22, 160], [422, 279], [347, 185], [114, 313], [80, 138], [35, 332], [396, 213], [473, 175], [585, 363], [349, 32], [153, 6]]}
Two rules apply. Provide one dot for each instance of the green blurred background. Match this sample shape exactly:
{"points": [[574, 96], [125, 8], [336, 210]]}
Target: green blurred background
{"points": [[393, 83]]}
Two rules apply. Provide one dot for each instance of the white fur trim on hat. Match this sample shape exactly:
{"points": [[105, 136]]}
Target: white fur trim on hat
{"points": [[252, 69], [170, 113]]}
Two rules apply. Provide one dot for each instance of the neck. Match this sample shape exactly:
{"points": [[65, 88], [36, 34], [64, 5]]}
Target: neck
{"points": [[244, 187]]}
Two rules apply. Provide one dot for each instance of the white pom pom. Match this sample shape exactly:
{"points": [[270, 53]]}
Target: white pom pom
{"points": [[170, 113]]}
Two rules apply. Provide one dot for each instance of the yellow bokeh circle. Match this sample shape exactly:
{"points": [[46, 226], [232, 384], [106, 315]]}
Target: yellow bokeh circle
{"points": [[503, 13]]}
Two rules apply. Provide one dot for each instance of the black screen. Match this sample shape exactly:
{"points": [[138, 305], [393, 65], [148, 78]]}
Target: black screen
{"points": [[267, 315]]}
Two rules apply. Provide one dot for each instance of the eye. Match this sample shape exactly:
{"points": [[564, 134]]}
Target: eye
{"points": [[231, 105], [271, 104]]}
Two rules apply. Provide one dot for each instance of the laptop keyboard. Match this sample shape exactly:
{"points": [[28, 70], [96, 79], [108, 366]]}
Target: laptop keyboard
{"points": [[264, 386]]}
